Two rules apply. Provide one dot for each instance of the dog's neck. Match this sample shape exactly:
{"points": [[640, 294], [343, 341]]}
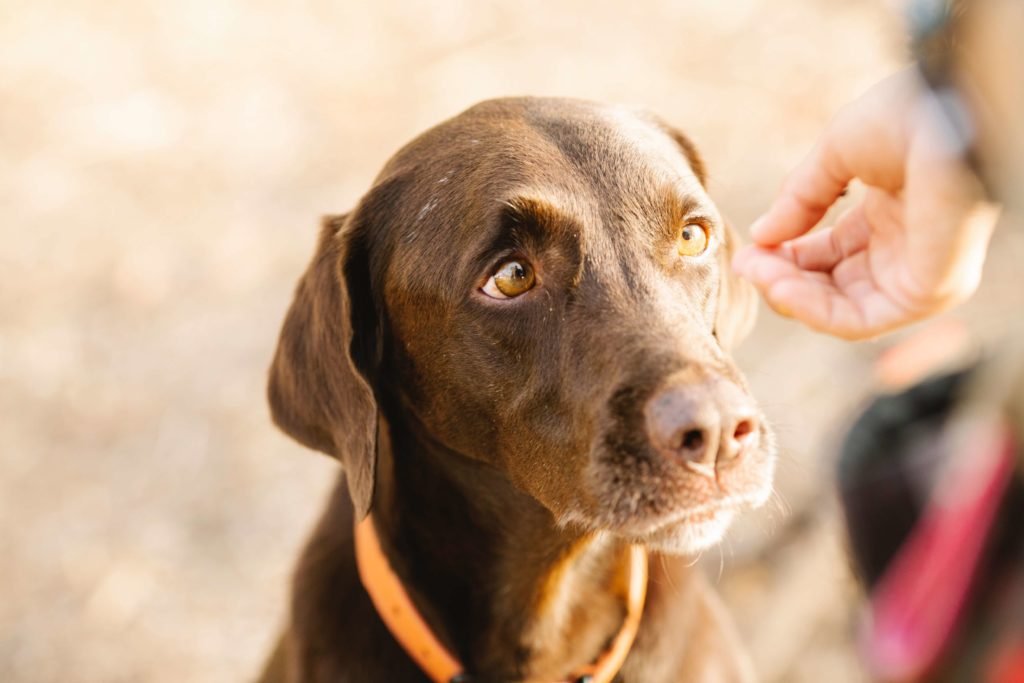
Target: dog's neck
{"points": [[511, 593]]}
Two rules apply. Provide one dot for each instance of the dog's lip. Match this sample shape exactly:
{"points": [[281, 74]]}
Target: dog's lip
{"points": [[702, 514]]}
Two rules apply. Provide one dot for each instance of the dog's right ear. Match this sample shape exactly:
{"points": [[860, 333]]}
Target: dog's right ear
{"points": [[319, 390], [736, 310]]}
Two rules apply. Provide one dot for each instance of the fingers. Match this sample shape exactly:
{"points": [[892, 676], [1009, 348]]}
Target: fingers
{"points": [[820, 306], [765, 268], [867, 140], [808, 296], [819, 251], [824, 249], [855, 310], [914, 245], [808, 193]]}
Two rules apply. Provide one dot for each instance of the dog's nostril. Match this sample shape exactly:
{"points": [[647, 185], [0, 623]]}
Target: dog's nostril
{"points": [[693, 440], [742, 436], [744, 428]]}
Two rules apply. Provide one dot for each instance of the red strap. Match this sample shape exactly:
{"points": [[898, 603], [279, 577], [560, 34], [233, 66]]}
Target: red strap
{"points": [[920, 598]]}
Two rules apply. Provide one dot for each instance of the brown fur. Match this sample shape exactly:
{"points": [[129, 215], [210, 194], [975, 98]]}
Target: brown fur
{"points": [[504, 446]]}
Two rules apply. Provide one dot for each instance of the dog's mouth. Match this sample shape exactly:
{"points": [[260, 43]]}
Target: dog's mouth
{"points": [[670, 507], [690, 537], [690, 529]]}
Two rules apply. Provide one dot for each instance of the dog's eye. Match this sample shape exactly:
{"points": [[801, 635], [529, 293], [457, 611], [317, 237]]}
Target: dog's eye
{"points": [[511, 279], [693, 240]]}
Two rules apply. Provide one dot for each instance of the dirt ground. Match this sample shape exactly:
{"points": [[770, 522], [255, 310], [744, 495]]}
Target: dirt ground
{"points": [[162, 169]]}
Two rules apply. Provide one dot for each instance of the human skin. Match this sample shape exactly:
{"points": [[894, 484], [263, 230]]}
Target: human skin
{"points": [[914, 244]]}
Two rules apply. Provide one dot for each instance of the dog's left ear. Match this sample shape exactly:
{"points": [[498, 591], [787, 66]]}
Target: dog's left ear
{"points": [[736, 309]]}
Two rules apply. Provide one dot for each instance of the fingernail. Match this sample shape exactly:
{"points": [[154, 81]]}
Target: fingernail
{"points": [[757, 226], [784, 311]]}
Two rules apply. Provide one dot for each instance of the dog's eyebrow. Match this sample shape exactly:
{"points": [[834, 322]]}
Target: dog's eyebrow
{"points": [[537, 218], [525, 221], [682, 205]]}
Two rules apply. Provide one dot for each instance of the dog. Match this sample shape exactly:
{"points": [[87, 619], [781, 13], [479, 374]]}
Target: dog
{"points": [[517, 345]]}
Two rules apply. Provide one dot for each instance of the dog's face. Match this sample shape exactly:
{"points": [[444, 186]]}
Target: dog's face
{"points": [[542, 285]]}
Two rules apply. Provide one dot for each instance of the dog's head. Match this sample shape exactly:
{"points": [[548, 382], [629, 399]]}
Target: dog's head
{"points": [[541, 285]]}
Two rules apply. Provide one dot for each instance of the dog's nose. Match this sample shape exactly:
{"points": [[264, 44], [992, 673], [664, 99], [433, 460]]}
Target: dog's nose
{"points": [[707, 424]]}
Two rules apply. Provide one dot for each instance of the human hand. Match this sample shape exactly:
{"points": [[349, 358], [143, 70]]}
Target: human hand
{"points": [[913, 246]]}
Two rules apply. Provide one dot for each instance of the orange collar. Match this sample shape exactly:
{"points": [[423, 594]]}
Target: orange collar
{"points": [[414, 635]]}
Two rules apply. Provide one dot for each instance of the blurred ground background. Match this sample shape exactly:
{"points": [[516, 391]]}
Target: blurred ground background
{"points": [[162, 168]]}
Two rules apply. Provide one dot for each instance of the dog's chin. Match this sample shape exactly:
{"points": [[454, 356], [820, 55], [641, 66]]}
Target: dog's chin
{"points": [[690, 535]]}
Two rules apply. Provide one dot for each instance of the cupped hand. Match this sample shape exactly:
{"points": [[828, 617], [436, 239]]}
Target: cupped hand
{"points": [[913, 245]]}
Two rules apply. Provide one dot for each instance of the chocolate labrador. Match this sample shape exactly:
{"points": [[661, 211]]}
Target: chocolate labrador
{"points": [[517, 346]]}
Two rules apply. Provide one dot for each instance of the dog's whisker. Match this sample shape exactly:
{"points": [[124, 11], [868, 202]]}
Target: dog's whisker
{"points": [[667, 572]]}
